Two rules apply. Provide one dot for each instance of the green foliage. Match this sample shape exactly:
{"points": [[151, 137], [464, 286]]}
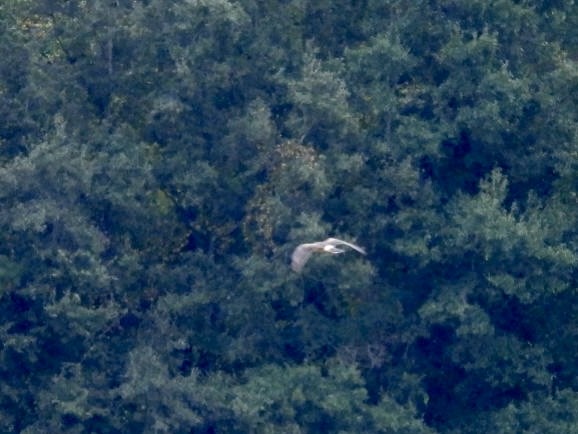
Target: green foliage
{"points": [[290, 399], [159, 163], [539, 414], [320, 102], [482, 224]]}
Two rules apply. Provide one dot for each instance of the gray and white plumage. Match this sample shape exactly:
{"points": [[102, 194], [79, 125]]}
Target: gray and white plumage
{"points": [[303, 252]]}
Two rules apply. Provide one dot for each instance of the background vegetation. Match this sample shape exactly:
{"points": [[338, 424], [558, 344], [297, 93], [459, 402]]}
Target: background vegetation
{"points": [[160, 160]]}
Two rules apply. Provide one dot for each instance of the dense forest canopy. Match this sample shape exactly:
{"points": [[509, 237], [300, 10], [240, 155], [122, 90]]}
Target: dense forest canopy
{"points": [[159, 162]]}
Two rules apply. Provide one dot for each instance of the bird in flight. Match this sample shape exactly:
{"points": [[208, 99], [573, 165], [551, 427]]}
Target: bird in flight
{"points": [[303, 252]]}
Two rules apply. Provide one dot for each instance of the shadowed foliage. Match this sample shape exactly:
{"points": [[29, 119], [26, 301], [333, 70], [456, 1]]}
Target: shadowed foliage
{"points": [[160, 162]]}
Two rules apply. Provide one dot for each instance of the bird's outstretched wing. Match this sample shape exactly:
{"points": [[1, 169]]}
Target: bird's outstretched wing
{"points": [[300, 257], [338, 242]]}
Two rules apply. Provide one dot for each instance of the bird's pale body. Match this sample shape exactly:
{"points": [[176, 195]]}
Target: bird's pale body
{"points": [[303, 252]]}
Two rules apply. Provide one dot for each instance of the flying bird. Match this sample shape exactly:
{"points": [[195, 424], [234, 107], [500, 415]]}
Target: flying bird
{"points": [[303, 252]]}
